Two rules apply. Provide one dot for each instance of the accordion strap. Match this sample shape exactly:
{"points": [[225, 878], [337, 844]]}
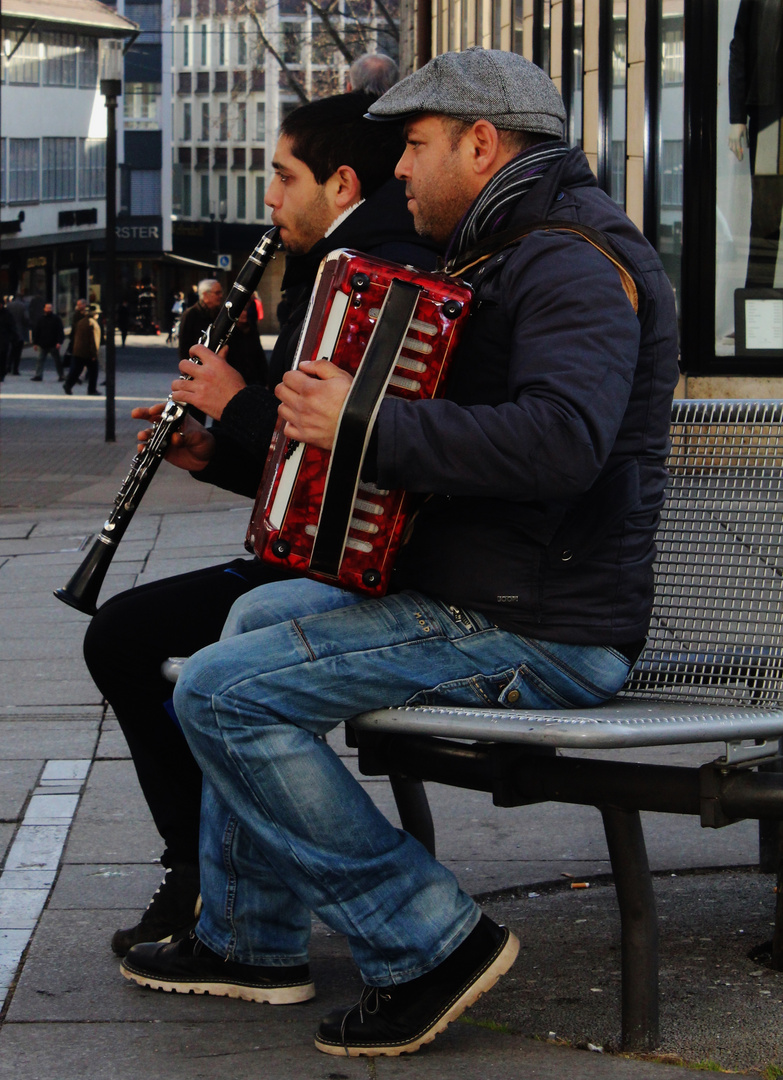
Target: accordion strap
{"points": [[355, 425], [495, 244]]}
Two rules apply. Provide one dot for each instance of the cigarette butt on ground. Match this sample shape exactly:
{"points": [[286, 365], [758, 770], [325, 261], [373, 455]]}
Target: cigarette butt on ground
{"points": [[580, 884]]}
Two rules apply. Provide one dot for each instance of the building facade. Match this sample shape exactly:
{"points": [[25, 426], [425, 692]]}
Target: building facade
{"points": [[238, 67], [677, 104], [52, 147]]}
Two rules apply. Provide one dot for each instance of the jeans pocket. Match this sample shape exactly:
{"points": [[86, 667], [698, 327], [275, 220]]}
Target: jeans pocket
{"points": [[475, 691]]}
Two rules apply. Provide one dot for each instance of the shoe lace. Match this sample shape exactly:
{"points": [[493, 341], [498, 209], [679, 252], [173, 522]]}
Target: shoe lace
{"points": [[369, 1003]]}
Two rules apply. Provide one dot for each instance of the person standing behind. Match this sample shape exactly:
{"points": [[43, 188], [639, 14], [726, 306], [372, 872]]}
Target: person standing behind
{"points": [[8, 336], [123, 320], [373, 73], [18, 313], [86, 346], [48, 336], [197, 318], [79, 311]]}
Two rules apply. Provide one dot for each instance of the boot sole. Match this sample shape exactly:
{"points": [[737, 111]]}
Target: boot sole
{"points": [[277, 995], [485, 981]]}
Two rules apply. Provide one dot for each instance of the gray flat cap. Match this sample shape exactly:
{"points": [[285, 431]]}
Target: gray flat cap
{"points": [[478, 84]]}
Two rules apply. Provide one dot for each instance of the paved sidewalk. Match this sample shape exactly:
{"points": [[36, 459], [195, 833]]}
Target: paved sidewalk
{"points": [[80, 850]]}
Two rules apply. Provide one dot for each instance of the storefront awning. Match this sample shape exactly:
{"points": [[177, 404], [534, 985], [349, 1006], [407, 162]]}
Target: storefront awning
{"points": [[169, 256]]}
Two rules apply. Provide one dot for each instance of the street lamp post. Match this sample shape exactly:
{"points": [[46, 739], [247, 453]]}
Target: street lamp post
{"points": [[110, 67]]}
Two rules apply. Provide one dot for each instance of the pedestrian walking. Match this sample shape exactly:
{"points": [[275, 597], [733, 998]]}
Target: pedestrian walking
{"points": [[48, 336], [86, 347], [18, 311]]}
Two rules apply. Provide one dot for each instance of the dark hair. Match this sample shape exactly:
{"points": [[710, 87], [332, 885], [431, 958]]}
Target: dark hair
{"points": [[332, 132]]}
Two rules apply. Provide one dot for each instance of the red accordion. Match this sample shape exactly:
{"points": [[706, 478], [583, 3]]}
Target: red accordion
{"points": [[394, 329]]}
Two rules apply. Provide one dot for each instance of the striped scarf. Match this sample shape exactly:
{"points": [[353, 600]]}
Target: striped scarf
{"points": [[504, 190]]}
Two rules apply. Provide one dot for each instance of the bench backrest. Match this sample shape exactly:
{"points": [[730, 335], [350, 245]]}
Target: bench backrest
{"points": [[717, 631]]}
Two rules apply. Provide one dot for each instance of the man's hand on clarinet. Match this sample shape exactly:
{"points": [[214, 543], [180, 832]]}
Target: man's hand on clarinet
{"points": [[211, 382], [311, 398], [190, 448]]}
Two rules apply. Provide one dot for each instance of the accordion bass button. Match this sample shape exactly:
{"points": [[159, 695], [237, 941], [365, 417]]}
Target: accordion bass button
{"points": [[281, 548], [371, 578]]}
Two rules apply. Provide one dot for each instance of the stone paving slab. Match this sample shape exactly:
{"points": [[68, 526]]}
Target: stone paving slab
{"points": [[40, 739], [202, 1051]]}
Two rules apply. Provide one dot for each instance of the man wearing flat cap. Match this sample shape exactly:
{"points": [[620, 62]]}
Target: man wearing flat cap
{"points": [[526, 582]]}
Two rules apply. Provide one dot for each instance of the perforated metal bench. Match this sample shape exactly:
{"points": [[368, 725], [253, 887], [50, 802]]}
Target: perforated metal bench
{"points": [[712, 670]]}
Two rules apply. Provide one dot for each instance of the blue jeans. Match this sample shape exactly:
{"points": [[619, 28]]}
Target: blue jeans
{"points": [[286, 829]]}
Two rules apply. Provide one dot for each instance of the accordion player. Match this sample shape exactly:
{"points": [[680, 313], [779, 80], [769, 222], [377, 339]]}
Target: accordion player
{"points": [[394, 329]]}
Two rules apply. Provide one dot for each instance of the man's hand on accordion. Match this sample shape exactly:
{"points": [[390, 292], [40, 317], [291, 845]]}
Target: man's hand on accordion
{"points": [[311, 398]]}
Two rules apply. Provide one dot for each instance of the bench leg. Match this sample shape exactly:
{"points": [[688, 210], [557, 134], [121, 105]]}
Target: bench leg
{"points": [[414, 809], [639, 928]]}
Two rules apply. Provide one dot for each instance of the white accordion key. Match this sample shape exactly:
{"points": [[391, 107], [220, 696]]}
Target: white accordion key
{"points": [[414, 345], [368, 507], [350, 542], [405, 384], [407, 363]]}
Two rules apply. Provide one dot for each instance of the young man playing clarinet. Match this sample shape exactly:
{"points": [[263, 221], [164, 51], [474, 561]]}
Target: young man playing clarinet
{"points": [[527, 581], [333, 174]]}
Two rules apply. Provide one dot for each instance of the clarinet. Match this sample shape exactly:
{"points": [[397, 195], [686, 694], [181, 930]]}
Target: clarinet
{"points": [[82, 590]]}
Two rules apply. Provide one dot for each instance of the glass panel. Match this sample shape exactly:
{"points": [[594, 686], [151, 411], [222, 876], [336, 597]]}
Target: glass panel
{"points": [[670, 140], [241, 197], [617, 99], [748, 306], [575, 122], [546, 36]]}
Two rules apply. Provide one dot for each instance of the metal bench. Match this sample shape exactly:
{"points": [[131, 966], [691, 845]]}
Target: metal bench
{"points": [[712, 670]]}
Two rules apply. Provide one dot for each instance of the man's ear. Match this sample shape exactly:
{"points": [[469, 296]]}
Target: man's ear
{"points": [[344, 187], [487, 153]]}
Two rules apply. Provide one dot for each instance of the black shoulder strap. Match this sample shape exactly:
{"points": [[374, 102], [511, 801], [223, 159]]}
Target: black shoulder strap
{"points": [[486, 249]]}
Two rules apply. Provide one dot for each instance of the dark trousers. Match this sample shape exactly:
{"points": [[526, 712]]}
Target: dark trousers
{"points": [[14, 356], [126, 643], [75, 370]]}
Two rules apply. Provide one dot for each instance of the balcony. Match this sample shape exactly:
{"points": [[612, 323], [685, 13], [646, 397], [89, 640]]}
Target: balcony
{"points": [[202, 157], [221, 82], [257, 158], [184, 85], [202, 82], [185, 156], [221, 157], [185, 9], [238, 158]]}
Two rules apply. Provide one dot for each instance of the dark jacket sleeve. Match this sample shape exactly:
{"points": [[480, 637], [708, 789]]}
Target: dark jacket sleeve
{"points": [[570, 371]]}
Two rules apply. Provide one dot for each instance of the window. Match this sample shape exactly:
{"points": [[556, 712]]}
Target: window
{"points": [[260, 208], [260, 121], [92, 168], [223, 121], [671, 161], [23, 170], [88, 63], [673, 53], [241, 44], [618, 171], [222, 45], [58, 173], [24, 65], [3, 154], [186, 46], [140, 105], [148, 16], [204, 212], [222, 194], [187, 194], [241, 196], [144, 192], [205, 121], [292, 42], [204, 45], [241, 122], [187, 121], [60, 62]]}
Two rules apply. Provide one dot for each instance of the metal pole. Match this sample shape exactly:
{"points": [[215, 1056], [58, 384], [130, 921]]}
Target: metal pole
{"points": [[111, 252]]}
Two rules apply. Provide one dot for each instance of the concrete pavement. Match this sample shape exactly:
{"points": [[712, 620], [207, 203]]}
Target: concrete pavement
{"points": [[80, 850]]}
